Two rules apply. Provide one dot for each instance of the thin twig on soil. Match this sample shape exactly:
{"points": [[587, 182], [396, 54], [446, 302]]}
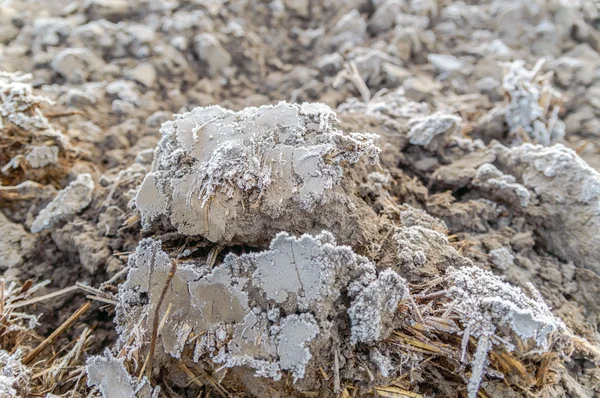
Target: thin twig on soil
{"points": [[336, 370], [193, 378], [94, 291], [115, 277], [165, 316], [44, 297], [352, 74], [155, 321], [220, 389], [101, 299], [63, 114], [1, 295], [212, 256], [66, 324], [113, 189]]}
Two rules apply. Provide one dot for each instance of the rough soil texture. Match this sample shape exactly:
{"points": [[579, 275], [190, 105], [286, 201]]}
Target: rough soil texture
{"points": [[238, 177], [300, 198]]}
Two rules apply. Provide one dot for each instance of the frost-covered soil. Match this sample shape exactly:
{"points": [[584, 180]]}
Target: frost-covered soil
{"points": [[300, 198]]}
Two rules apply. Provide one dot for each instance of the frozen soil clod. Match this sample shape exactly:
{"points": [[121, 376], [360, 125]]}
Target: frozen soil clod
{"points": [[501, 186], [16, 244], [487, 305], [568, 191], [243, 176], [531, 113], [67, 203], [276, 311], [32, 146], [424, 129], [534, 104]]}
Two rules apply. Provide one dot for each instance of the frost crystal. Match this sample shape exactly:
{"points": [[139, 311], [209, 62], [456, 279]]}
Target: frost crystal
{"points": [[293, 334], [419, 244], [12, 373], [383, 362], [479, 365], [375, 305]]}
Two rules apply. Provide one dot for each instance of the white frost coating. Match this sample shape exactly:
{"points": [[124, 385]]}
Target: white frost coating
{"points": [[504, 186], [151, 198], [375, 305], [309, 273], [417, 242], [21, 108], [487, 304], [306, 276], [384, 363], [417, 217], [424, 129], [217, 170], [568, 191], [114, 381], [531, 109], [12, 373], [292, 335], [490, 307], [42, 156], [270, 311], [547, 167], [17, 102], [68, 202], [478, 366], [306, 268]]}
